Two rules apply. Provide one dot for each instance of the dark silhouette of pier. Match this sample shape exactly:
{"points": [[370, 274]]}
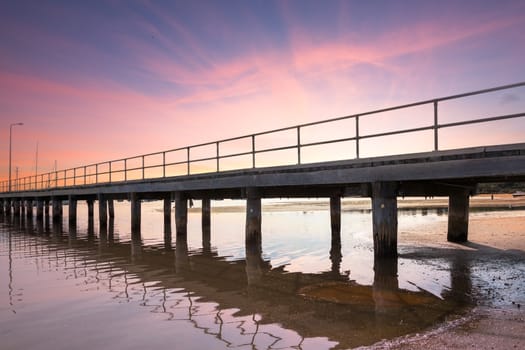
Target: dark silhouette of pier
{"points": [[178, 175]]}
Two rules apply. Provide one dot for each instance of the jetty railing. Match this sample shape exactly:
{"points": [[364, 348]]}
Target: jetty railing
{"points": [[179, 161]]}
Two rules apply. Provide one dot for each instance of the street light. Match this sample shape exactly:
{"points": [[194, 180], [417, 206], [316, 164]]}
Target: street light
{"points": [[10, 137]]}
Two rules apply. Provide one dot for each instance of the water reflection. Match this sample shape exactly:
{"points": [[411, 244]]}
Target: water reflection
{"points": [[243, 302]]}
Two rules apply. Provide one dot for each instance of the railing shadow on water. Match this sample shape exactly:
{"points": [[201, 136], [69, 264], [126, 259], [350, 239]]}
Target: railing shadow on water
{"points": [[294, 143]]}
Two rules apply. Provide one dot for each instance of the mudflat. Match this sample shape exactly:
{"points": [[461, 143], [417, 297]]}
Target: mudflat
{"points": [[497, 321]]}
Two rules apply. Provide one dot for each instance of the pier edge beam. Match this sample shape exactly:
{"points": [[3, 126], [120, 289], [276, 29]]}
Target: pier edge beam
{"points": [[253, 219], [384, 218], [135, 213], [102, 212], [458, 215], [181, 214], [72, 200]]}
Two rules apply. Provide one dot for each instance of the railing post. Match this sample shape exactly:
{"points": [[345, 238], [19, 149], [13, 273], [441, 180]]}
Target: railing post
{"points": [[188, 158], [65, 178], [436, 126], [74, 176], [85, 176], [96, 173], [163, 164], [357, 136], [126, 169], [298, 145], [56, 179], [253, 151], [109, 171], [217, 149], [143, 171]]}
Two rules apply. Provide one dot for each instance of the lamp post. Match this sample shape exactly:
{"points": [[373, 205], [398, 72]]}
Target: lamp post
{"points": [[10, 144]]}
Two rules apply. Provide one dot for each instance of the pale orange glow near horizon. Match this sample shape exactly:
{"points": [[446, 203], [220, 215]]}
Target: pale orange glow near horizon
{"points": [[166, 78]]}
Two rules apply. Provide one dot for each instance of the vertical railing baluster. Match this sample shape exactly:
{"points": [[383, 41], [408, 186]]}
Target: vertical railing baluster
{"points": [[109, 171], [357, 136], [253, 151], [74, 176], [125, 169], [218, 154], [96, 173], [164, 164], [188, 159], [298, 145], [143, 170], [436, 146], [65, 178]]}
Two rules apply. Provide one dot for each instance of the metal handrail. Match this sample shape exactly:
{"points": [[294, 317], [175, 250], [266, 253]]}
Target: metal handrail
{"points": [[117, 170]]}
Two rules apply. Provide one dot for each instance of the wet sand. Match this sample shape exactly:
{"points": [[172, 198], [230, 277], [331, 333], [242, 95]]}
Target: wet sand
{"points": [[496, 322]]}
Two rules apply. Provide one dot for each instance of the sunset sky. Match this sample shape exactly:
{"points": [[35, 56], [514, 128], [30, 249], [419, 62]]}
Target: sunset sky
{"points": [[99, 80]]}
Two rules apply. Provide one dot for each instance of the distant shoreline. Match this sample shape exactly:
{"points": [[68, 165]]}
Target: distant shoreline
{"points": [[477, 203]]}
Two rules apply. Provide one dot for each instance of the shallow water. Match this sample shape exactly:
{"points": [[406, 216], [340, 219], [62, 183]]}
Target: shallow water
{"points": [[82, 288]]}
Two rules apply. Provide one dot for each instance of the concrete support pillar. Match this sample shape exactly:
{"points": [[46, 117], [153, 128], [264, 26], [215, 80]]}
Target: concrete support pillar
{"points": [[458, 212], [72, 211], [167, 214], [46, 209], [181, 215], [253, 218], [384, 218], [29, 208], [2, 207], [135, 213], [17, 207], [335, 216], [102, 212], [57, 209], [7, 206], [89, 203], [167, 221], [111, 208], [39, 209], [22, 208], [206, 225]]}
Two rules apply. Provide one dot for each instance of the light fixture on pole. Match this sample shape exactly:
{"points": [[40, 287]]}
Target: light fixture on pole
{"points": [[10, 144]]}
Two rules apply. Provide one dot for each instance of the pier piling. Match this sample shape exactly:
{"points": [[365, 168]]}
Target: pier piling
{"points": [[181, 215], [458, 213], [384, 218], [135, 213], [102, 211], [72, 200], [253, 217], [39, 209]]}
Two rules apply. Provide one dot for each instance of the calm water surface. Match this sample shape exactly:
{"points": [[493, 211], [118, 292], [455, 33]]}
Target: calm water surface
{"points": [[80, 288]]}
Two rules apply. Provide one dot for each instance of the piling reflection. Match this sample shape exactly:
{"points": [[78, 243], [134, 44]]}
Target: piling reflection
{"points": [[244, 302]]}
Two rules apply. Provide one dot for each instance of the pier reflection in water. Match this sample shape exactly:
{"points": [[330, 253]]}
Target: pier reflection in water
{"points": [[241, 302]]}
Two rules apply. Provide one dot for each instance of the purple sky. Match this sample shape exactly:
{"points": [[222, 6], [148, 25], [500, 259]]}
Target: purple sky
{"points": [[94, 81]]}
